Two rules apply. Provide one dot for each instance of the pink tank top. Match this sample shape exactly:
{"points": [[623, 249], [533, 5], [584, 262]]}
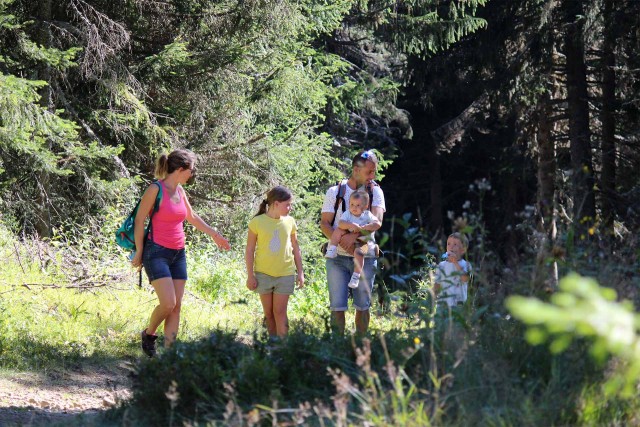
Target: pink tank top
{"points": [[168, 229]]}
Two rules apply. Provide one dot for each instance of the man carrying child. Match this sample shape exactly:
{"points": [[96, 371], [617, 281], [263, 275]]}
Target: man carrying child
{"points": [[341, 268], [358, 219]]}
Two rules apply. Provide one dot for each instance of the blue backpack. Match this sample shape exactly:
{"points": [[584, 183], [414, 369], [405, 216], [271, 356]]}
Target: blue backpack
{"points": [[125, 235]]}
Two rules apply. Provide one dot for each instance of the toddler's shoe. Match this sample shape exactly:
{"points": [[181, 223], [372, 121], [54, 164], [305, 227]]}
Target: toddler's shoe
{"points": [[355, 281], [332, 252]]}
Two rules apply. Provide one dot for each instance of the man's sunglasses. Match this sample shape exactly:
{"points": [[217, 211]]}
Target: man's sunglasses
{"points": [[367, 154]]}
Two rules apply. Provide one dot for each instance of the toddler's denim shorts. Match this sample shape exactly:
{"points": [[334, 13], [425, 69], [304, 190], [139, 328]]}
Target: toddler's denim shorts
{"points": [[162, 262]]}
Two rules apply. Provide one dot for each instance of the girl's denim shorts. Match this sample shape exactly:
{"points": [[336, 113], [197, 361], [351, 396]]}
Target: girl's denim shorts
{"points": [[162, 262]]}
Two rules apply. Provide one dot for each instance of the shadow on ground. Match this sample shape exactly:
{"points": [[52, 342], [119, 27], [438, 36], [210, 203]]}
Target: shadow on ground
{"points": [[65, 392]]}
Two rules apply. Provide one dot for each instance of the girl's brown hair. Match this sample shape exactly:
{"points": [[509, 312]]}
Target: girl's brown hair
{"points": [[276, 194], [175, 160]]}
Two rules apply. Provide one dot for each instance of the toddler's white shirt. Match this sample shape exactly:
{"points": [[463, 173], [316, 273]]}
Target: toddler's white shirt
{"points": [[454, 290]]}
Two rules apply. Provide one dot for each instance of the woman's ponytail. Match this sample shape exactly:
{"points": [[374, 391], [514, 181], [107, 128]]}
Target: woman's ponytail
{"points": [[162, 167]]}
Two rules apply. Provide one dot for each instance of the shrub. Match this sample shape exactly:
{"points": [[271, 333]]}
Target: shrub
{"points": [[197, 381]]}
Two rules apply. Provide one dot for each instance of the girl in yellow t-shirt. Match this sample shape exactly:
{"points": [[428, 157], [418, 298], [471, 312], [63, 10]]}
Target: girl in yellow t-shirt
{"points": [[274, 262]]}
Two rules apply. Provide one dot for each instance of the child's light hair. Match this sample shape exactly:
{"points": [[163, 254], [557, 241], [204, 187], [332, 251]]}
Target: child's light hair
{"points": [[360, 195], [463, 239]]}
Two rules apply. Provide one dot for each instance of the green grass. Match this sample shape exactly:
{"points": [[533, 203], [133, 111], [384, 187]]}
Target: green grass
{"points": [[48, 321], [472, 367]]}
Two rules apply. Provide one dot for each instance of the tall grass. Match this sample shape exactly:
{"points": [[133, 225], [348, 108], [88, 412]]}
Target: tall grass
{"points": [[75, 298], [66, 301], [420, 364]]}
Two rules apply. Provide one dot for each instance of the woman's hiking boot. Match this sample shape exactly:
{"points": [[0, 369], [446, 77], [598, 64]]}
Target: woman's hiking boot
{"points": [[148, 343]]}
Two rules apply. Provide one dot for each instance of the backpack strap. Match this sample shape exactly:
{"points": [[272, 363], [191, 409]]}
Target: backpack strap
{"points": [[342, 189], [156, 207], [370, 191], [149, 230]]}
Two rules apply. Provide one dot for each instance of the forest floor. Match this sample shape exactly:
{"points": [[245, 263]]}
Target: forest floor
{"points": [[74, 395]]}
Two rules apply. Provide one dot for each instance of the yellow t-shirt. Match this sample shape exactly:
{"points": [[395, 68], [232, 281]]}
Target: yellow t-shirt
{"points": [[274, 252]]}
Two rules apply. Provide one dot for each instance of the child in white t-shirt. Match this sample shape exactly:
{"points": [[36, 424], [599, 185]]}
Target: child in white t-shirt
{"points": [[356, 220], [452, 274]]}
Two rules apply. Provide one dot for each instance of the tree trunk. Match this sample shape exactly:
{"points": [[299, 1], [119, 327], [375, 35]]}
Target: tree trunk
{"points": [[543, 275], [584, 208], [43, 36], [608, 147], [435, 186]]}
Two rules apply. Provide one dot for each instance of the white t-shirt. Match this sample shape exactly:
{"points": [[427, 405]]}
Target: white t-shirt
{"points": [[454, 290], [330, 202]]}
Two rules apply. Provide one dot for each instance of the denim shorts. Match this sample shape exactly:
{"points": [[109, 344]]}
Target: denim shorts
{"points": [[283, 285], [339, 271], [162, 262]]}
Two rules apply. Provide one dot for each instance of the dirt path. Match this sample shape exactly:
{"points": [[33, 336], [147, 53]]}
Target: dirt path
{"points": [[30, 399]]}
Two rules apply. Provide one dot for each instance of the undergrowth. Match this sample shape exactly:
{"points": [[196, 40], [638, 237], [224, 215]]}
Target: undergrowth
{"points": [[64, 303]]}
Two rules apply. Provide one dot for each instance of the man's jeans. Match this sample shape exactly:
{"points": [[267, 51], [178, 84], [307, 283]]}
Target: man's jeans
{"points": [[339, 271]]}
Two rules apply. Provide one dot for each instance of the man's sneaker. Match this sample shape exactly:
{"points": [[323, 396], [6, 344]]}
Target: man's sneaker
{"points": [[355, 281], [332, 252], [148, 343]]}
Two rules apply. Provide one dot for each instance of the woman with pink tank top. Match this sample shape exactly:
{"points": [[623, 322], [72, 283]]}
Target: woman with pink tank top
{"points": [[163, 257]]}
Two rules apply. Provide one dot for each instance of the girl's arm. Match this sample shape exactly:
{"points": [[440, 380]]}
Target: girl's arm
{"points": [[146, 204], [249, 257], [195, 220], [297, 257]]}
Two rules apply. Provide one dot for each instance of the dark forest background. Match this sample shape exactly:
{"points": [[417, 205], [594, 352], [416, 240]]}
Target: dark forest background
{"points": [[540, 98], [540, 104]]}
